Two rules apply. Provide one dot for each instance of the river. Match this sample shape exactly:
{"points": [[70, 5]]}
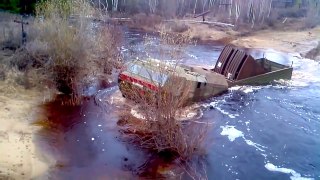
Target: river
{"points": [[257, 132]]}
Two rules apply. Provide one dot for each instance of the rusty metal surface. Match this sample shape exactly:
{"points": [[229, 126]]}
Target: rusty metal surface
{"points": [[250, 68], [223, 59], [235, 64]]}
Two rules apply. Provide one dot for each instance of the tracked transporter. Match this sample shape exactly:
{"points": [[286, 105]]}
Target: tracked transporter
{"points": [[233, 67]]}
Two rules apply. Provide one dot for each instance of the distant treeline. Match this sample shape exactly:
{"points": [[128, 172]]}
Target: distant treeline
{"points": [[178, 8], [181, 7], [254, 12], [18, 6]]}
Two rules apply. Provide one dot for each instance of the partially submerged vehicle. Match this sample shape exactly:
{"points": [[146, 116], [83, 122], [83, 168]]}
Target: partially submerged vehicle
{"points": [[233, 67], [240, 68], [152, 75]]}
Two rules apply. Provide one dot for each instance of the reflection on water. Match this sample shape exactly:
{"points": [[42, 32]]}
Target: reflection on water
{"points": [[279, 127]]}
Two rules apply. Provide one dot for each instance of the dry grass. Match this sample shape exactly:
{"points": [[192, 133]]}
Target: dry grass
{"points": [[65, 47], [68, 46], [177, 27]]}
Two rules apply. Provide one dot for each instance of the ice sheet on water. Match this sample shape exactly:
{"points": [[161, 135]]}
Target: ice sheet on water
{"points": [[294, 174]]}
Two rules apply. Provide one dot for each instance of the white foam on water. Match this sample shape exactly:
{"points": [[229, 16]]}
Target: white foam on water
{"points": [[191, 114], [268, 97], [245, 89], [192, 56], [307, 72], [231, 132], [215, 105], [257, 146], [227, 113], [294, 174], [234, 133]]}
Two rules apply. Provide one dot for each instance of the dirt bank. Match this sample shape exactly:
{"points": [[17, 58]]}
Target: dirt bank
{"points": [[20, 157]]}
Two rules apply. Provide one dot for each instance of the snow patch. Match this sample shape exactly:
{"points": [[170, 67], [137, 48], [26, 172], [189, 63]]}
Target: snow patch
{"points": [[294, 174]]}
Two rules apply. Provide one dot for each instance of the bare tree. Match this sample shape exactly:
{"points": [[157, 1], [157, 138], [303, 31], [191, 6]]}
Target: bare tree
{"points": [[153, 5]]}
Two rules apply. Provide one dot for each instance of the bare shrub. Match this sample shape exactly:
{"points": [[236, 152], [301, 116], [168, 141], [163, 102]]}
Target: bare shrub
{"points": [[178, 27], [160, 130], [71, 51]]}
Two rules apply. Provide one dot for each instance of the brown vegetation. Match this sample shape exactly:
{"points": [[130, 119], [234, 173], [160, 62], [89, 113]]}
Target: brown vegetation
{"points": [[160, 130], [77, 50], [61, 51]]}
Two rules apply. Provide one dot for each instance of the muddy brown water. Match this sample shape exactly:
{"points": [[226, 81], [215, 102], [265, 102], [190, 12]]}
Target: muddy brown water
{"points": [[86, 142]]}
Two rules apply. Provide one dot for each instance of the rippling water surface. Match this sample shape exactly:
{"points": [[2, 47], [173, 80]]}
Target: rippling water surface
{"points": [[259, 132]]}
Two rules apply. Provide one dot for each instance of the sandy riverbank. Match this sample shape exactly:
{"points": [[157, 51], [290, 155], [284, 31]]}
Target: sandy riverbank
{"points": [[20, 157], [290, 41], [286, 41]]}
